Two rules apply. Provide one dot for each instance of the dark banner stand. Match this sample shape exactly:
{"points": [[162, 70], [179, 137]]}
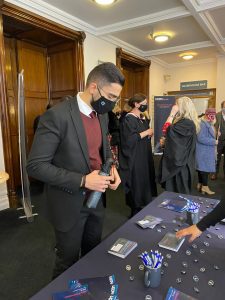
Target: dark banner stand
{"points": [[162, 108]]}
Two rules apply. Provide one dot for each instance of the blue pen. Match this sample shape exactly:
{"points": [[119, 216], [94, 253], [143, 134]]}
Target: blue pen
{"points": [[158, 261]]}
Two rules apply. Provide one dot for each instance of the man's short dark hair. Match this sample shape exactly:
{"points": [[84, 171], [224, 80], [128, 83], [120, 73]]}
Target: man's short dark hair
{"points": [[222, 104], [106, 73]]}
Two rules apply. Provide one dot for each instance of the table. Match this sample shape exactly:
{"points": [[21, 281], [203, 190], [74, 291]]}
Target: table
{"points": [[100, 263]]}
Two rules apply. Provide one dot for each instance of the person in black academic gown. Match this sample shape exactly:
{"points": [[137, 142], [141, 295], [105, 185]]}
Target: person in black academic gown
{"points": [[177, 165], [114, 131], [136, 161]]}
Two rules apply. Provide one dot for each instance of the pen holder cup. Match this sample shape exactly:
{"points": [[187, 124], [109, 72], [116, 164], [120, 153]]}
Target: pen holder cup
{"points": [[152, 277], [192, 218]]}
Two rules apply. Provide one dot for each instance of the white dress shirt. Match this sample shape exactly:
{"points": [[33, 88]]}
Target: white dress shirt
{"points": [[83, 107]]}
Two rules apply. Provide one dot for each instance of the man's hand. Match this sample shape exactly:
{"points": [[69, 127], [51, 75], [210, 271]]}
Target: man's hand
{"points": [[96, 182], [116, 179], [193, 231]]}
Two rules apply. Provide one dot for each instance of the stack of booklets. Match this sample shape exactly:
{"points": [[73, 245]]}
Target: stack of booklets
{"points": [[178, 205], [149, 222], [174, 294], [171, 242], [122, 247], [98, 288]]}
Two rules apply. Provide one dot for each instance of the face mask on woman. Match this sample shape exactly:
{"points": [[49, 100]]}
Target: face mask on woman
{"points": [[143, 107], [210, 118]]}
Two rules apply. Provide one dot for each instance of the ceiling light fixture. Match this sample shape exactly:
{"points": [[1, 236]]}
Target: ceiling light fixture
{"points": [[105, 2], [160, 38], [188, 55]]}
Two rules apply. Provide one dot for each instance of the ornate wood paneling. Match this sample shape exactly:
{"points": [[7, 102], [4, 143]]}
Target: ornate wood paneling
{"points": [[33, 60], [25, 16], [136, 72], [5, 120], [21, 24], [62, 76]]}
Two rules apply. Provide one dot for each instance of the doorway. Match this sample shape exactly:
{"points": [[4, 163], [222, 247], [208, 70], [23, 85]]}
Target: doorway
{"points": [[136, 72], [52, 59]]}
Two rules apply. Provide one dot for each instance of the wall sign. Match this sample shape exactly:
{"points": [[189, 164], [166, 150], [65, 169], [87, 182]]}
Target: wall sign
{"points": [[162, 108], [194, 85]]}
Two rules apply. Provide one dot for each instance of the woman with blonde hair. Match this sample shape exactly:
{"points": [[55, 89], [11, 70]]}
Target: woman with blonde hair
{"points": [[177, 165]]}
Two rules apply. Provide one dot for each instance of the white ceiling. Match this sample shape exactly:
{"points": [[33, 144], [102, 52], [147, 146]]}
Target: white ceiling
{"points": [[195, 25]]}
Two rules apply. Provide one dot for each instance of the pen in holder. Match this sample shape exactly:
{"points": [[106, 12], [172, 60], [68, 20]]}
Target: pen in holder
{"points": [[192, 213], [152, 262]]}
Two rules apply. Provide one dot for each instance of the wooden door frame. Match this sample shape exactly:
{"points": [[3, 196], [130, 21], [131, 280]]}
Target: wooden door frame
{"points": [[197, 94], [122, 56], [43, 23]]}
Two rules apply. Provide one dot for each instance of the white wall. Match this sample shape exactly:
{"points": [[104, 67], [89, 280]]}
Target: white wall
{"points": [[203, 71], [157, 82], [156, 85], [96, 49], [220, 86]]}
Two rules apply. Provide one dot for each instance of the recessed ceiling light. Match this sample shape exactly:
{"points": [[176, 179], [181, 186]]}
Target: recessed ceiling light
{"points": [[105, 2], [188, 55], [161, 38]]}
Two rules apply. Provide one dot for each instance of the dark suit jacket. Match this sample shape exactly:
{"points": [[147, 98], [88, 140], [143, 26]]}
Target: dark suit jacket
{"points": [[220, 123], [59, 157]]}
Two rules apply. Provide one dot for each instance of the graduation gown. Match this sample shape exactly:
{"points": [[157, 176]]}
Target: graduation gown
{"points": [[177, 165], [136, 162]]}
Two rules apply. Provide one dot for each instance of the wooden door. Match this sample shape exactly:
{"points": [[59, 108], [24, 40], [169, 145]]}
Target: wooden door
{"points": [[136, 72], [63, 71], [33, 60], [141, 78], [128, 89], [12, 103], [136, 81], [20, 24]]}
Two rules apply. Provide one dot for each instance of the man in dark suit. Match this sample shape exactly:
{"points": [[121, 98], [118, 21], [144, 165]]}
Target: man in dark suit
{"points": [[220, 129], [69, 147]]}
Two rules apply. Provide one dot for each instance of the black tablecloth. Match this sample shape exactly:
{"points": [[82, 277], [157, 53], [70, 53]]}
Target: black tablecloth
{"points": [[99, 263]]}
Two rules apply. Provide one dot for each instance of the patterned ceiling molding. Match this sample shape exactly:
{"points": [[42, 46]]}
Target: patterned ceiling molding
{"points": [[119, 43], [158, 61], [54, 14], [191, 63], [202, 5], [192, 46], [193, 7], [169, 14], [213, 27], [204, 23]]}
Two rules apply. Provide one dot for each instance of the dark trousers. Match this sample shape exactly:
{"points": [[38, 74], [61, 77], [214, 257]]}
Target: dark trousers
{"points": [[131, 203], [203, 177], [80, 239], [220, 151]]}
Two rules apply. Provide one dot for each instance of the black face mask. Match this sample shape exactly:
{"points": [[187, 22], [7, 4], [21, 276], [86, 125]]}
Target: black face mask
{"points": [[143, 107], [102, 105]]}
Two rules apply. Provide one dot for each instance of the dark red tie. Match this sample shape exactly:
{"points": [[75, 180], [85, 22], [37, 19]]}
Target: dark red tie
{"points": [[93, 114]]}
